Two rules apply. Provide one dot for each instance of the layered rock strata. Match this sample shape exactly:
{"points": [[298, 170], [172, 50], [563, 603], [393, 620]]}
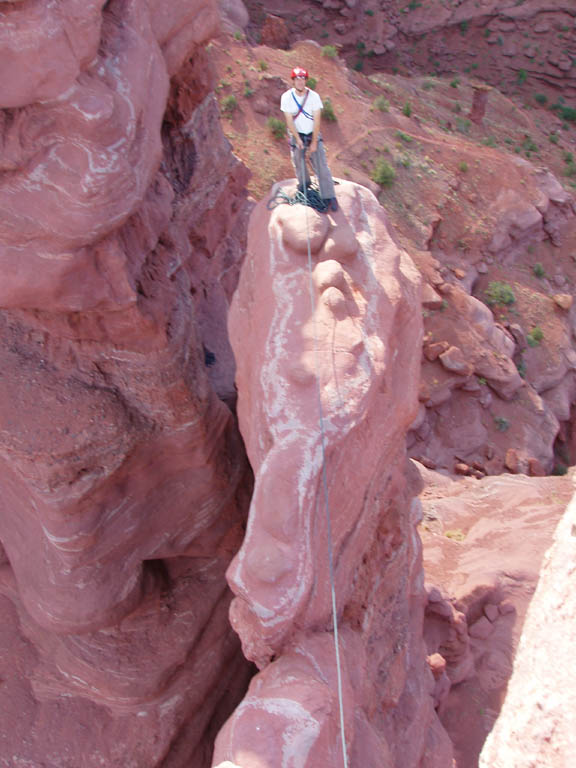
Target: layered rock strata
{"points": [[327, 388], [122, 473]]}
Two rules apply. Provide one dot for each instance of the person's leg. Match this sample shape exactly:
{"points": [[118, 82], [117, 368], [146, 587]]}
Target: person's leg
{"points": [[320, 165], [298, 157]]}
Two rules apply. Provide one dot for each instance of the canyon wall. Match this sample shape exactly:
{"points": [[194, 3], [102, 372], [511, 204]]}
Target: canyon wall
{"points": [[124, 481]]}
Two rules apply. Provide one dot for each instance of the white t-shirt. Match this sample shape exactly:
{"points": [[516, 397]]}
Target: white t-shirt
{"points": [[290, 102]]}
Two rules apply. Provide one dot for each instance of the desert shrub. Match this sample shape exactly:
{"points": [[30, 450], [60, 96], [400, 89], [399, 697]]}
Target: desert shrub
{"points": [[329, 51], [455, 83], [381, 103], [312, 83], [404, 137], [501, 423], [277, 127], [540, 98], [535, 336], [463, 166], [407, 109], [383, 173], [262, 65], [499, 293], [538, 270], [229, 104], [238, 35], [521, 77], [554, 138], [328, 112]]}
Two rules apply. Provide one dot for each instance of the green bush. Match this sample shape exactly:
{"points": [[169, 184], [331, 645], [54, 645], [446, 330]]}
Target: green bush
{"points": [[538, 270], [499, 293], [407, 109], [404, 137], [455, 83], [381, 103], [312, 83], [277, 127], [329, 51], [229, 104], [540, 98], [262, 65], [463, 166], [238, 35], [521, 77], [383, 173], [328, 112], [535, 336], [502, 424]]}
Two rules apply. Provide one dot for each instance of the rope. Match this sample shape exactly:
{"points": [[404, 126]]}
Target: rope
{"points": [[324, 475]]}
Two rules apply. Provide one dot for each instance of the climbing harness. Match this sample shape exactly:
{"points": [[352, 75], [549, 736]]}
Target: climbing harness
{"points": [[325, 482]]}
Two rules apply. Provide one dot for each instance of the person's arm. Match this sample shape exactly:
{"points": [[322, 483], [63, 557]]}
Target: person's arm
{"points": [[292, 130], [317, 115]]}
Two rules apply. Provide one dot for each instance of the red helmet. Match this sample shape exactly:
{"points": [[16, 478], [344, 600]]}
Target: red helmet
{"points": [[299, 72]]}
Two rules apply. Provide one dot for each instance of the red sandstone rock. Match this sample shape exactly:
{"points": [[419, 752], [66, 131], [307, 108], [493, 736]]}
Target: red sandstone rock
{"points": [[122, 477], [537, 724], [453, 360], [563, 300], [275, 32], [491, 574], [363, 369]]}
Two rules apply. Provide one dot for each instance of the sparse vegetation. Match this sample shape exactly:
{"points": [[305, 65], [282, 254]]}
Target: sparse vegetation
{"points": [[540, 98], [381, 104], [521, 77], [463, 166], [238, 35], [404, 137], [538, 270], [502, 424], [407, 109], [312, 83], [229, 105], [277, 127], [455, 535], [328, 112], [499, 293], [329, 51], [455, 83], [383, 173], [535, 336], [554, 138], [262, 65]]}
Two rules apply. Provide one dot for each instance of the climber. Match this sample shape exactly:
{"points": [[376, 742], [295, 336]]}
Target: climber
{"points": [[302, 108]]}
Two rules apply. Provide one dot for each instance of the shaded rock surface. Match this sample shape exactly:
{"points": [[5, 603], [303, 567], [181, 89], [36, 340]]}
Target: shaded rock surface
{"points": [[329, 376], [123, 477]]}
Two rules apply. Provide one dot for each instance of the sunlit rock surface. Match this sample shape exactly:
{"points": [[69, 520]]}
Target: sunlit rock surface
{"points": [[327, 387]]}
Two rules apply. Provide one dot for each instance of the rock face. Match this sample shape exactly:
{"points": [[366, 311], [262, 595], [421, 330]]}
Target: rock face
{"points": [[484, 542], [537, 725], [122, 473], [327, 387]]}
